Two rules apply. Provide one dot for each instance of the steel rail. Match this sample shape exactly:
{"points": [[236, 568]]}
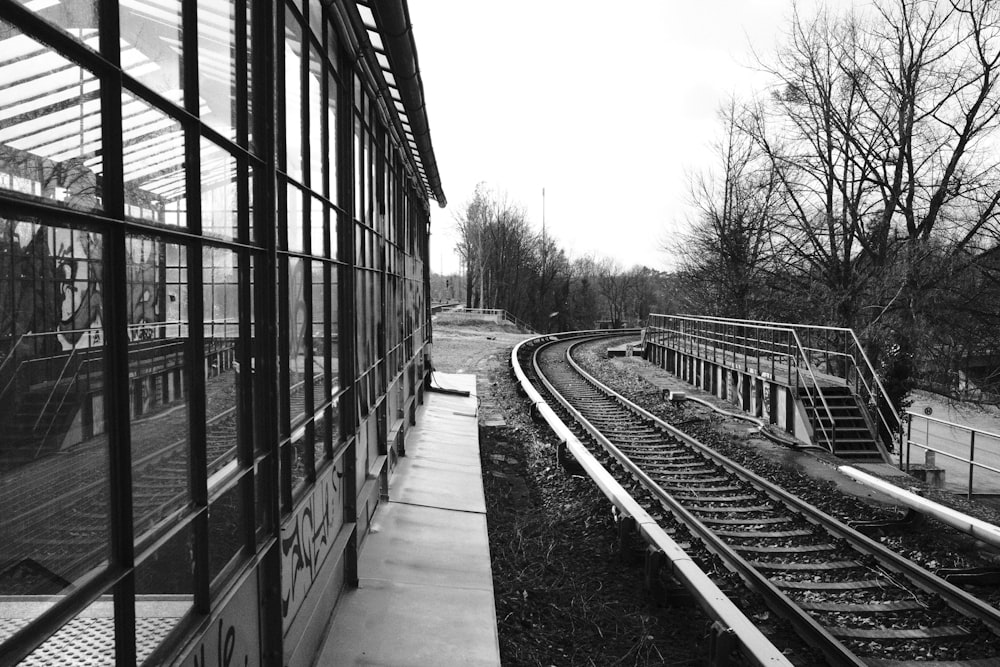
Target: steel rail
{"points": [[806, 626], [958, 599], [754, 644]]}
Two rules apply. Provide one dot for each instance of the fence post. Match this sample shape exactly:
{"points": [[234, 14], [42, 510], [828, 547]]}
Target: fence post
{"points": [[972, 460]]}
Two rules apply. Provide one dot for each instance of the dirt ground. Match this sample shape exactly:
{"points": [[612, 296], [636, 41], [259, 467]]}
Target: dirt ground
{"points": [[566, 593]]}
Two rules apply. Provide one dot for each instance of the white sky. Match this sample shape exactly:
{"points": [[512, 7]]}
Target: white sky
{"points": [[607, 105]]}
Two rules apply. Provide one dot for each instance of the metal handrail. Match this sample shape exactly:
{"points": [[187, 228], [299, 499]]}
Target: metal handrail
{"points": [[870, 392], [792, 336], [904, 454]]}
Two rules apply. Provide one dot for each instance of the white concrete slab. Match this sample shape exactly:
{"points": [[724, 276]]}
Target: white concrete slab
{"points": [[425, 593]]}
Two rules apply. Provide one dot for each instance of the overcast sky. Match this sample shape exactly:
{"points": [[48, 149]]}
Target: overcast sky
{"points": [[608, 106]]}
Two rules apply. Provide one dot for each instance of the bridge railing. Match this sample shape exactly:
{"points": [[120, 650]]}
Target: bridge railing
{"points": [[834, 352], [837, 352], [761, 347]]}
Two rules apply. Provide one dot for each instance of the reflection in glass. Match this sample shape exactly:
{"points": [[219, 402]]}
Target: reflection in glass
{"points": [[78, 18], [315, 81], [299, 445], [319, 337], [151, 39], [218, 192], [295, 213], [50, 137], [331, 151], [217, 64], [333, 342], [154, 163], [54, 505], [298, 332], [317, 227], [293, 96], [157, 292], [221, 291], [225, 529], [164, 586]]}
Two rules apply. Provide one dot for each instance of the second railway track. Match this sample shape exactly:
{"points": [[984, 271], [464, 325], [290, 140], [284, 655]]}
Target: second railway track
{"points": [[848, 596]]}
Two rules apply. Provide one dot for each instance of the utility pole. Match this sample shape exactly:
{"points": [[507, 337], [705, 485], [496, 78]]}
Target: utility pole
{"points": [[545, 249]]}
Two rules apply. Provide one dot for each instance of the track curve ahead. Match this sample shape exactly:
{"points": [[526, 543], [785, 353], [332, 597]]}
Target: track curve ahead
{"points": [[855, 601]]}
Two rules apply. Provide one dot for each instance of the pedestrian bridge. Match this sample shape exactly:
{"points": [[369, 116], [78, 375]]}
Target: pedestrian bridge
{"points": [[814, 382]]}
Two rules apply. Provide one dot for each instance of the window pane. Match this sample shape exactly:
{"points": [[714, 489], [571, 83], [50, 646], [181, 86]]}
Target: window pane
{"points": [[298, 322], [151, 38], [319, 338], [78, 18], [294, 221], [52, 393], [164, 590], [317, 227], [331, 150], [154, 164], [315, 79], [334, 341], [226, 521], [50, 137], [157, 284], [218, 192], [293, 97], [223, 349], [217, 64]]}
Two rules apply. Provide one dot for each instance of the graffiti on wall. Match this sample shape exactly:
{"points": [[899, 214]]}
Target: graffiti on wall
{"points": [[307, 537], [233, 638]]}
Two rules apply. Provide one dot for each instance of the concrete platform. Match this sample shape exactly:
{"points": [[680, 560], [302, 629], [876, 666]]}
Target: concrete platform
{"points": [[425, 593]]}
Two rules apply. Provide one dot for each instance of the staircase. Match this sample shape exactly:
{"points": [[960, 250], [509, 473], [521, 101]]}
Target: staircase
{"points": [[37, 422], [854, 439]]}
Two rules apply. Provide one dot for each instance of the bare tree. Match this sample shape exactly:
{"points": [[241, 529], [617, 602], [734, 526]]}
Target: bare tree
{"points": [[729, 245]]}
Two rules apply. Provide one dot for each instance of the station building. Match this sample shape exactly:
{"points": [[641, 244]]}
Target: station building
{"points": [[214, 318]]}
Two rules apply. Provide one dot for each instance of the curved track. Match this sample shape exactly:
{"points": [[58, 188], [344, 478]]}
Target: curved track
{"points": [[845, 594]]}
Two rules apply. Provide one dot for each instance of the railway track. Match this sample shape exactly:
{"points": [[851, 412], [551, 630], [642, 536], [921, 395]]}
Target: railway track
{"points": [[852, 599]]}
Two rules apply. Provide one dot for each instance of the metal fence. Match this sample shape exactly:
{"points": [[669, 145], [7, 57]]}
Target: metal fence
{"points": [[954, 448], [802, 354], [490, 314]]}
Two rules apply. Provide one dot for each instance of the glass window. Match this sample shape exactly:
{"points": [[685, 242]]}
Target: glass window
{"points": [[357, 168], [157, 290], [151, 44], [317, 227], [298, 339], [217, 64], [293, 96], [333, 303], [223, 351], [246, 7], [226, 529], [50, 137], [315, 79], [154, 164], [331, 151], [164, 590], [319, 335], [52, 395], [218, 192], [294, 219], [78, 18]]}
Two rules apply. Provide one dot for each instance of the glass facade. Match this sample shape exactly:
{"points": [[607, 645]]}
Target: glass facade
{"points": [[212, 323]]}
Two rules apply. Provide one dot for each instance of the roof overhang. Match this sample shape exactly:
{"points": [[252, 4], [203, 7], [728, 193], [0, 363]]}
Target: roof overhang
{"points": [[385, 44]]}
